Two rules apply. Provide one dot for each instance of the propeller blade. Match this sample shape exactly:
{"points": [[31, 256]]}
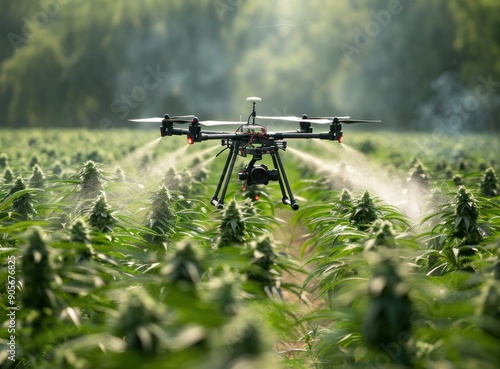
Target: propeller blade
{"points": [[176, 119], [292, 118], [351, 121], [211, 123], [147, 120], [329, 118]]}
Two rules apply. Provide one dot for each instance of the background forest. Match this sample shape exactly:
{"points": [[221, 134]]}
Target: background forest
{"points": [[414, 64]]}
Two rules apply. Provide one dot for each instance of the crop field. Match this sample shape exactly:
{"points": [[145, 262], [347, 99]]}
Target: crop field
{"points": [[112, 256]]}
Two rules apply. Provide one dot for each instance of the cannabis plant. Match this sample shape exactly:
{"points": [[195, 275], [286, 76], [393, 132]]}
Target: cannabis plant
{"points": [[489, 302], [466, 216], [23, 206], [101, 217], [37, 179], [418, 179], [345, 201], [4, 161], [200, 172], [161, 218], [458, 180], [183, 266], [458, 232], [263, 264], [80, 235], [139, 323], [33, 161], [383, 235], [489, 186], [8, 175], [38, 281], [364, 212], [387, 323], [178, 182], [232, 228], [91, 179]]}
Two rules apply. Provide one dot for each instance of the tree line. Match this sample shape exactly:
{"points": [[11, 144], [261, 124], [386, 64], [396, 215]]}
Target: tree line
{"points": [[414, 64]]}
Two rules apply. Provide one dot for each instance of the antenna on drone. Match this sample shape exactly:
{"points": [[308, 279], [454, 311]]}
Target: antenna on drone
{"points": [[253, 114]]}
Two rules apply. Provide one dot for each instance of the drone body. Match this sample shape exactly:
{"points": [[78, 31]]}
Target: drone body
{"points": [[253, 139]]}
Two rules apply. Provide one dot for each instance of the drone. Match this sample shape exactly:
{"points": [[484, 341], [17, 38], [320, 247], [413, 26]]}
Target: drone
{"points": [[255, 140]]}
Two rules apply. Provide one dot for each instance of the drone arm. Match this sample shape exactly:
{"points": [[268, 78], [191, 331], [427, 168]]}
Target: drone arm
{"points": [[334, 134], [207, 135], [170, 131], [288, 135]]}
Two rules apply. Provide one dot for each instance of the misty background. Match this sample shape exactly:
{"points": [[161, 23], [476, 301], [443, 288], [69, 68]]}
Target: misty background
{"points": [[414, 64]]}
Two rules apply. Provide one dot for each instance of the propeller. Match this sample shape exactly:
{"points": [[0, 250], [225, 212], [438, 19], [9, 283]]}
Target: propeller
{"points": [[320, 120], [351, 121], [210, 123], [187, 119], [176, 119], [295, 119], [291, 118]]}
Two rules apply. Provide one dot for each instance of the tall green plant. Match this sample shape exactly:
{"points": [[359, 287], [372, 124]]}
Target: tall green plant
{"points": [[161, 218], [37, 179], [91, 179], [387, 326], [184, 266], [364, 212], [38, 299], [24, 205], [8, 175], [101, 217], [262, 267], [489, 186], [232, 227], [458, 233], [139, 323]]}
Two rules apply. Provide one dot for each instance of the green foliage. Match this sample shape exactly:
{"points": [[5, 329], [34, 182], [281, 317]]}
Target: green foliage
{"points": [[488, 308], [388, 320], [384, 235], [489, 184], [460, 231], [8, 175], [419, 176], [101, 217], [23, 206], [4, 161], [466, 218], [183, 266], [139, 322], [91, 179], [161, 217], [178, 182], [364, 212], [477, 41], [232, 228], [263, 263], [306, 289], [37, 179], [80, 235], [38, 282]]}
